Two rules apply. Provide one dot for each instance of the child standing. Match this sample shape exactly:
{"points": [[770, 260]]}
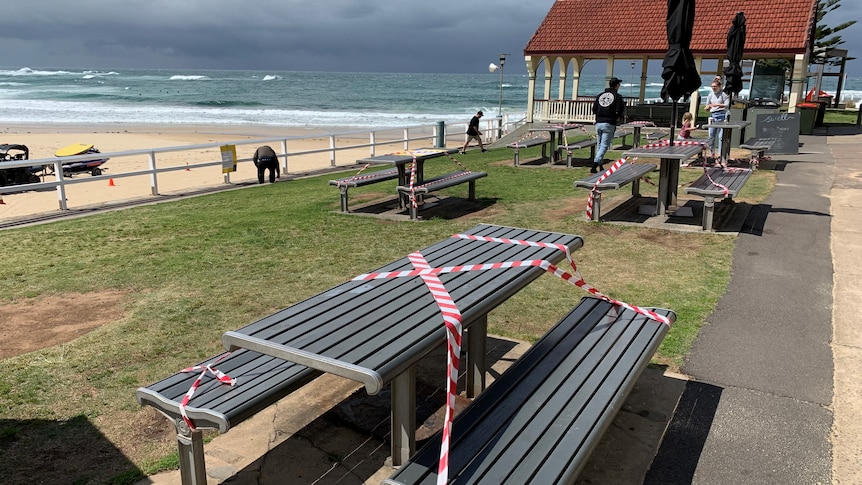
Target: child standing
{"points": [[685, 131]]}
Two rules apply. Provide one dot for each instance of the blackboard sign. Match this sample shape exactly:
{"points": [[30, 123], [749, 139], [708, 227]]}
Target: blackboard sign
{"points": [[784, 127]]}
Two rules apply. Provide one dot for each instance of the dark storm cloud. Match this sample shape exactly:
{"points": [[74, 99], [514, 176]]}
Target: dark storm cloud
{"points": [[364, 35], [343, 35]]}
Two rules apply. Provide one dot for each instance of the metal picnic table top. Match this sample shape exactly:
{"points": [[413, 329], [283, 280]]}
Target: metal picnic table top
{"points": [[370, 330]]}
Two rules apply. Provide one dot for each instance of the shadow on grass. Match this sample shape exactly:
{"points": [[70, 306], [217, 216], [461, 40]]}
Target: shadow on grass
{"points": [[70, 452]]}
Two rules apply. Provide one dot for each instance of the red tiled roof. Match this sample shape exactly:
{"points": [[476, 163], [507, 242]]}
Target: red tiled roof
{"points": [[588, 27]]}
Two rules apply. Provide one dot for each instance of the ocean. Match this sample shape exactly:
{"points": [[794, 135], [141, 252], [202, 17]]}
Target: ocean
{"points": [[315, 100]]}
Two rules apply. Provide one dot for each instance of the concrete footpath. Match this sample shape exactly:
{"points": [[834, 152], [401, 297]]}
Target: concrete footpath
{"points": [[771, 392], [775, 392]]}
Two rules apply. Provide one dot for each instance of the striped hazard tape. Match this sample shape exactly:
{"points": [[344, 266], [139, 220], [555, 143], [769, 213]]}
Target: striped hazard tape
{"points": [[204, 369], [452, 316]]}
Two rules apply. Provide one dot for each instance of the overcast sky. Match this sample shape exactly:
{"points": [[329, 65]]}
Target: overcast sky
{"points": [[295, 35]]}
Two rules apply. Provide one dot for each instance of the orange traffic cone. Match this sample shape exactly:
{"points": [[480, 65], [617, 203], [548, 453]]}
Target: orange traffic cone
{"points": [[111, 183]]}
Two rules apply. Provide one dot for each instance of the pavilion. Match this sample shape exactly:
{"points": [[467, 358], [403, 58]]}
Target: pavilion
{"points": [[575, 32]]}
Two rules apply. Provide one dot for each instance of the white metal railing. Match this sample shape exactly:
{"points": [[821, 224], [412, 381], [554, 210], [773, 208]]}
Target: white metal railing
{"points": [[424, 135]]}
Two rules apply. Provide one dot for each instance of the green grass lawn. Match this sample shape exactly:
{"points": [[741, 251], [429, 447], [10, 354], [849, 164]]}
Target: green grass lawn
{"points": [[193, 269]]}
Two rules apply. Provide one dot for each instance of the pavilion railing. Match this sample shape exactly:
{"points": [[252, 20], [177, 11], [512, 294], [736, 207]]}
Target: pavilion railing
{"points": [[578, 110]]}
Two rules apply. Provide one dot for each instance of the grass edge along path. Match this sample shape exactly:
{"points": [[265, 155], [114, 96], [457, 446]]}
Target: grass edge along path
{"points": [[195, 268]]}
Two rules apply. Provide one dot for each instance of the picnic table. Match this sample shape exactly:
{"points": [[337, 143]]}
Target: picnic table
{"points": [[375, 328], [403, 159], [556, 133], [636, 127], [671, 156]]}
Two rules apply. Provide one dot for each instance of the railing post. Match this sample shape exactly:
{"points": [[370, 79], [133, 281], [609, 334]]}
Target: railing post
{"points": [[284, 151], [332, 150], [154, 182], [61, 185], [406, 139], [372, 143]]}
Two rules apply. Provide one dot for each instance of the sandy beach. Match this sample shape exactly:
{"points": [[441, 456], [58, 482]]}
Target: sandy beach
{"points": [[115, 185]]}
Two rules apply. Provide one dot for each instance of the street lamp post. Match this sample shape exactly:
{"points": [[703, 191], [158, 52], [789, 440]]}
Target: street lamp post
{"points": [[492, 68], [632, 79]]}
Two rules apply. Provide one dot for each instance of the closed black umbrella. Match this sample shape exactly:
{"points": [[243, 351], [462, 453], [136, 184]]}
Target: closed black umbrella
{"points": [[735, 44], [679, 72]]}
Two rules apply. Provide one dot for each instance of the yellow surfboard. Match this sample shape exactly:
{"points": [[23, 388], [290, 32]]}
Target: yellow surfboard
{"points": [[76, 149]]}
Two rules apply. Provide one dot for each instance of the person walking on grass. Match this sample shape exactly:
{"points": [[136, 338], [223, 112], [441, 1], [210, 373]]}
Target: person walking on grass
{"points": [[265, 159], [473, 133], [608, 108]]}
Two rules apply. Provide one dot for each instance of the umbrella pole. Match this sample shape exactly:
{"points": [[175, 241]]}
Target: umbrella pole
{"points": [[672, 122]]}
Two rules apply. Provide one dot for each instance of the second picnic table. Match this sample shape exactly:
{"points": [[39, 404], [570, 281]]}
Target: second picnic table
{"points": [[556, 133], [402, 161], [671, 156]]}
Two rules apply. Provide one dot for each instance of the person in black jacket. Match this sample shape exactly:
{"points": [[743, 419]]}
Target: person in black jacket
{"points": [[473, 133], [265, 158], [608, 108]]}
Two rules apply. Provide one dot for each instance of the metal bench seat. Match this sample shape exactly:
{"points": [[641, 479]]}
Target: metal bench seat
{"points": [[529, 142], [360, 180], [629, 173], [758, 148], [579, 145], [441, 182], [717, 182], [539, 422], [261, 380], [758, 143]]}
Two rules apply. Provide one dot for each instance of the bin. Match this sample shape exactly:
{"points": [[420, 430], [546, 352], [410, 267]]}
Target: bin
{"points": [[807, 116], [823, 102]]}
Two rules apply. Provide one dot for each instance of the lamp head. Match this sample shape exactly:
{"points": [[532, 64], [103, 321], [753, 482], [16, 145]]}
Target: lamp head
{"points": [[493, 67], [502, 59]]}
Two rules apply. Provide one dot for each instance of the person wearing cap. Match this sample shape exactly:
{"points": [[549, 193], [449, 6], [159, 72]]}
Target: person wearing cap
{"points": [[474, 133], [608, 108]]}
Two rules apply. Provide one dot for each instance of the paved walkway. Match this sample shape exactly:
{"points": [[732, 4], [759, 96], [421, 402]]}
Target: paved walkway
{"points": [[776, 364], [774, 390]]}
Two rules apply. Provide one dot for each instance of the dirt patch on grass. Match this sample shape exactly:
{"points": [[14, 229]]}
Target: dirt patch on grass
{"points": [[45, 322]]}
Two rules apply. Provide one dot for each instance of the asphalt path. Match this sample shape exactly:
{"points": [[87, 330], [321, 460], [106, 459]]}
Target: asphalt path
{"points": [[757, 410]]}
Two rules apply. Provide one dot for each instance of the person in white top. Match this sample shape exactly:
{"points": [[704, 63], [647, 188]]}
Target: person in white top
{"points": [[717, 103]]}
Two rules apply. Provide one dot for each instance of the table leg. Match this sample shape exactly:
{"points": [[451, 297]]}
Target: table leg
{"points": [[725, 146], [404, 181], [637, 141], [667, 185], [477, 336], [403, 417], [672, 182], [663, 186], [553, 157]]}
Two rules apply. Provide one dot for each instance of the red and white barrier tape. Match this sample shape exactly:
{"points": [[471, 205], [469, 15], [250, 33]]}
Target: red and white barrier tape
{"points": [[355, 177], [219, 375], [452, 320], [413, 185], [553, 269], [452, 316], [616, 166]]}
